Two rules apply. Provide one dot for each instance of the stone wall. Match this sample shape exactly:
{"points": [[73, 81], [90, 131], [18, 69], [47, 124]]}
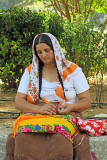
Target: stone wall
{"points": [[98, 145]]}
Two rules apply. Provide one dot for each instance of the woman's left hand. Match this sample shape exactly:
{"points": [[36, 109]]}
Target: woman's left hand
{"points": [[65, 109]]}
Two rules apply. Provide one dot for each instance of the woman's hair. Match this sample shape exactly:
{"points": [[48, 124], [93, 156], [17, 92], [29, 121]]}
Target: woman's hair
{"points": [[43, 38]]}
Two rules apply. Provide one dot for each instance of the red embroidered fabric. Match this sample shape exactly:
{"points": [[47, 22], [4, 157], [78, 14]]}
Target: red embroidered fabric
{"points": [[92, 127]]}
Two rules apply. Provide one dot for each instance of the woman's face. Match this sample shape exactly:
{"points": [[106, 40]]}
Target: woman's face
{"points": [[45, 53]]}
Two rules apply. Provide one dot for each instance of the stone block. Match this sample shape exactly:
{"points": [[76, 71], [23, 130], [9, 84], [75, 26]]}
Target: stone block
{"points": [[98, 145]]}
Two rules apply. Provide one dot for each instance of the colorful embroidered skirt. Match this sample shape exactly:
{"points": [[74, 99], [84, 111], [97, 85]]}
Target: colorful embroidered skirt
{"points": [[63, 124]]}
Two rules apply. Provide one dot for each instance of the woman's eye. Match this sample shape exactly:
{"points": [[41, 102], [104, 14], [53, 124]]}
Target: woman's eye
{"points": [[47, 50], [39, 52]]}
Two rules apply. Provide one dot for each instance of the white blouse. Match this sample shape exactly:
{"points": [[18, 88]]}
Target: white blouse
{"points": [[73, 86]]}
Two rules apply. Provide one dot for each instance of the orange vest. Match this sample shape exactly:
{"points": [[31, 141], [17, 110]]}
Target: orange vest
{"points": [[59, 90]]}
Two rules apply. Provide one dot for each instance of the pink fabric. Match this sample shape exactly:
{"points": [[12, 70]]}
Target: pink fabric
{"points": [[92, 127], [93, 156]]}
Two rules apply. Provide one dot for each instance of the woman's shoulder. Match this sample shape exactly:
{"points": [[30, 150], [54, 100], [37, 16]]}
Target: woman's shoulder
{"points": [[71, 67], [70, 70]]}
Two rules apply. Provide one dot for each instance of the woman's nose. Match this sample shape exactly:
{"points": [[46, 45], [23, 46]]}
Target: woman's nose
{"points": [[43, 53]]}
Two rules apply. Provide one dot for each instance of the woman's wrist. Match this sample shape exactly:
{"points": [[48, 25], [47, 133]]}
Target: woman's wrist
{"points": [[72, 106], [37, 108]]}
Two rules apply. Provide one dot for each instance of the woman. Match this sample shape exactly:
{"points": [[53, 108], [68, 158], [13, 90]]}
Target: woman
{"points": [[51, 86]]}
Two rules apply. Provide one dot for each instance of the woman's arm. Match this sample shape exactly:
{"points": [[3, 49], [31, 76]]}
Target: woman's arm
{"points": [[24, 106], [84, 102]]}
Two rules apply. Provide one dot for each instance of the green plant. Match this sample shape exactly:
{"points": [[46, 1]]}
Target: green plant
{"points": [[18, 28]]}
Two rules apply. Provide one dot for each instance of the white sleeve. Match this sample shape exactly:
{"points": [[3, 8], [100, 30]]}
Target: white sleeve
{"points": [[80, 81], [24, 82]]}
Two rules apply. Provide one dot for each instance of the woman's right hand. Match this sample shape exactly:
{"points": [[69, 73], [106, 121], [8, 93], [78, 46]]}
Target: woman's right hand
{"points": [[48, 108], [24, 106]]}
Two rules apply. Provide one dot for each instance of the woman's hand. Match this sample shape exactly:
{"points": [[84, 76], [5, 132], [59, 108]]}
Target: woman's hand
{"points": [[48, 108], [83, 103], [65, 109]]}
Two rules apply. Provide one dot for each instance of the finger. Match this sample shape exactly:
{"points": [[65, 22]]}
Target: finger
{"points": [[64, 106], [62, 111], [51, 110], [53, 105], [49, 113]]}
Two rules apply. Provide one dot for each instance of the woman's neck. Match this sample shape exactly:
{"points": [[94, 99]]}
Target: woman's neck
{"points": [[51, 66], [49, 73]]}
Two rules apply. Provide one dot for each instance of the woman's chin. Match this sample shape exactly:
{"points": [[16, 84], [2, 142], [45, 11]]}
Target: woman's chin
{"points": [[47, 62]]}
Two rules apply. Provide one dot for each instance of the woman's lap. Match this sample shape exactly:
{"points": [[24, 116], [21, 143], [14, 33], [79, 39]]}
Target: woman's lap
{"points": [[42, 146], [47, 146]]}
